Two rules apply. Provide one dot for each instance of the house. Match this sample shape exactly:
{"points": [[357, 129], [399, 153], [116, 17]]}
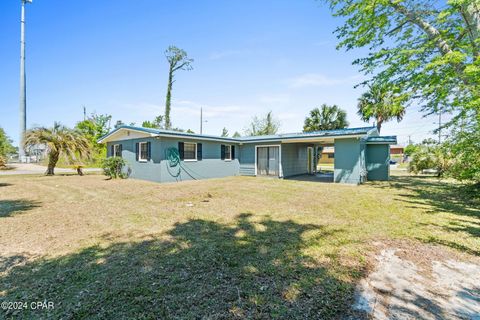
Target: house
{"points": [[397, 153], [396, 150], [327, 155], [166, 156]]}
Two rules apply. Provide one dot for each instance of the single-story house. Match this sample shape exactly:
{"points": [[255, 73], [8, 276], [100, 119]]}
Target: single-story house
{"points": [[327, 155], [397, 150], [166, 156]]}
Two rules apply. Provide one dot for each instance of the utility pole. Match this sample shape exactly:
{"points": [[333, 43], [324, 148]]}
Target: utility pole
{"points": [[23, 87], [409, 140], [84, 113], [201, 120]]}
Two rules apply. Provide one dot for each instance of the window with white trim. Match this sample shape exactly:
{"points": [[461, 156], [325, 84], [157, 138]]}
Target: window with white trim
{"points": [[189, 151], [143, 151], [117, 150], [228, 152]]}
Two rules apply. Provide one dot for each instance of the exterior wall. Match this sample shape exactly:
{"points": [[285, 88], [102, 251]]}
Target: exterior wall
{"points": [[363, 161], [211, 165], [149, 170], [158, 168], [247, 157], [378, 162], [347, 161], [294, 159], [353, 160], [396, 150]]}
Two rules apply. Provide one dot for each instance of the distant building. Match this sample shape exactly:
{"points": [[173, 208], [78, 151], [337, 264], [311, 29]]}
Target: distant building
{"points": [[397, 150], [327, 155]]}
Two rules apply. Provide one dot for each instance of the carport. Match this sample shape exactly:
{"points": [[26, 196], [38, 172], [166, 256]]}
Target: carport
{"points": [[360, 155]]}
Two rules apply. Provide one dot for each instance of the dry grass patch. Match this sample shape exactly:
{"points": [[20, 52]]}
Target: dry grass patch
{"points": [[223, 248]]}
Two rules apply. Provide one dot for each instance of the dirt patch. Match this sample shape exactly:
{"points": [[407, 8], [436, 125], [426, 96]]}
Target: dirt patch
{"points": [[420, 282]]}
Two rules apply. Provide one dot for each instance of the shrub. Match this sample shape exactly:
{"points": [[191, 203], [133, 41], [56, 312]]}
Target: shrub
{"points": [[411, 149], [3, 161], [113, 168], [432, 156], [465, 149]]}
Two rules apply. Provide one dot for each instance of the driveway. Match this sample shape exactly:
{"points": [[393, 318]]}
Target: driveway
{"points": [[31, 168]]}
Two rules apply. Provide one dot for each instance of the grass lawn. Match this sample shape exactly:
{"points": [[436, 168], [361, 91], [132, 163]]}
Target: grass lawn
{"points": [[228, 248]]}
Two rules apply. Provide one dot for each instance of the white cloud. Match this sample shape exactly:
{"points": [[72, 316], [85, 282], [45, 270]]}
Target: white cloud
{"points": [[142, 110], [285, 116], [191, 108], [228, 53], [281, 98], [320, 80]]}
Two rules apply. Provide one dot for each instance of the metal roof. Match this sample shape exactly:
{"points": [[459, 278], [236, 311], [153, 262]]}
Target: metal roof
{"points": [[382, 139], [370, 132], [314, 134]]}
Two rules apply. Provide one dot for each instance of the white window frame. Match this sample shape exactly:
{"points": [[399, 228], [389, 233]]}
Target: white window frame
{"points": [[140, 159], [230, 146], [195, 153], [115, 149], [280, 167]]}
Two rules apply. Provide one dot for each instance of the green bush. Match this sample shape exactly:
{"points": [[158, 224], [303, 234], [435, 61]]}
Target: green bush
{"points": [[113, 168], [465, 149], [430, 155], [411, 149]]}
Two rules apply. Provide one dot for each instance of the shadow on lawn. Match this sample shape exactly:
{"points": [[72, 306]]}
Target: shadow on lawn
{"points": [[206, 270], [5, 184], [436, 196], [9, 208]]}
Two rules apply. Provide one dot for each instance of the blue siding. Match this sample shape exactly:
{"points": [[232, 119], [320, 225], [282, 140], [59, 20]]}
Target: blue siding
{"points": [[247, 160], [211, 165], [149, 170], [158, 169], [378, 161], [247, 157], [294, 159], [348, 165], [354, 160]]}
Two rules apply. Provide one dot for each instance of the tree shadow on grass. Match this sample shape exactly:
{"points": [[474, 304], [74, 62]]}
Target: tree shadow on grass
{"points": [[437, 196], [206, 270], [5, 184], [9, 208]]}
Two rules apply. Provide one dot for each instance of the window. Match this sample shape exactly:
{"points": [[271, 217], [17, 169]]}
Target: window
{"points": [[189, 151], [331, 155], [228, 152], [117, 150], [143, 154]]}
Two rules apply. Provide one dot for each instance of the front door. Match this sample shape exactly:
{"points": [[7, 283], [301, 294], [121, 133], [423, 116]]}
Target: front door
{"points": [[268, 161]]}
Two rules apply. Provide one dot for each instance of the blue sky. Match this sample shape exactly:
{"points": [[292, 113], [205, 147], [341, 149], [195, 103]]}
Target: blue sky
{"points": [[250, 57]]}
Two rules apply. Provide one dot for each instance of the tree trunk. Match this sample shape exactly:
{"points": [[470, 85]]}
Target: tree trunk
{"points": [[52, 162], [168, 123], [471, 15], [379, 125], [430, 30], [433, 34]]}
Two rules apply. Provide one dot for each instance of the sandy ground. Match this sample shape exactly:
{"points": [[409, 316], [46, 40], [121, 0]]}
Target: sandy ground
{"points": [[31, 168], [420, 284]]}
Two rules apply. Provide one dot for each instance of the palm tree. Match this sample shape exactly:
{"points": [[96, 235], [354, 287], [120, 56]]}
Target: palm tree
{"points": [[381, 104], [60, 142], [326, 118]]}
